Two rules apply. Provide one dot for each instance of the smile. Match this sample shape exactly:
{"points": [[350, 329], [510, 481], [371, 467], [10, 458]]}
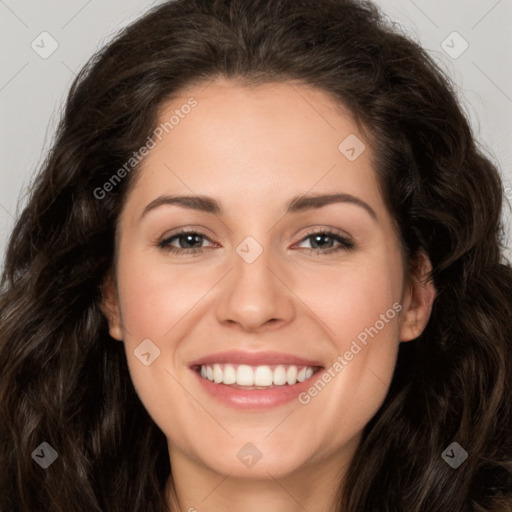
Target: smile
{"points": [[256, 377], [254, 380]]}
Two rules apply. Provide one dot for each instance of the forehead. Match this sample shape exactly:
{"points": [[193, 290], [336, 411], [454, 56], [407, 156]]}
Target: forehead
{"points": [[256, 146]]}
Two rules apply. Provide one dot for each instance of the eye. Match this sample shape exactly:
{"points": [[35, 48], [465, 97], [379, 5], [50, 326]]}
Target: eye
{"points": [[191, 242], [322, 242]]}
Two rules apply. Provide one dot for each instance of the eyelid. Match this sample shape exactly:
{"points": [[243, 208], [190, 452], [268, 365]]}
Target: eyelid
{"points": [[312, 230], [308, 231], [345, 241], [198, 229], [186, 230]]}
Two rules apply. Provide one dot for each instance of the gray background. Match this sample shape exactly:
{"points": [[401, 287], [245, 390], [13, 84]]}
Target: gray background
{"points": [[32, 88]]}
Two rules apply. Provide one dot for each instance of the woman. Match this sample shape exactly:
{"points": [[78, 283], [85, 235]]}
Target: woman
{"points": [[365, 371]]}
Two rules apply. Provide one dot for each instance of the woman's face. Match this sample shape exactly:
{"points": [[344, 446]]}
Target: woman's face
{"points": [[257, 289]]}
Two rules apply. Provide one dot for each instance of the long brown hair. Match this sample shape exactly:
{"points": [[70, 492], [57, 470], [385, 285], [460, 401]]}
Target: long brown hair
{"points": [[65, 382]]}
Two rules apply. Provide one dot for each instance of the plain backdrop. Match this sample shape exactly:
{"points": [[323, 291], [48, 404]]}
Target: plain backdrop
{"points": [[470, 38]]}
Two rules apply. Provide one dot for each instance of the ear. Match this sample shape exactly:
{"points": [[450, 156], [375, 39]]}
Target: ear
{"points": [[418, 298], [110, 307]]}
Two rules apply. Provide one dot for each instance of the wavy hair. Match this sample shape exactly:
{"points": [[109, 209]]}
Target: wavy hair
{"points": [[65, 381]]}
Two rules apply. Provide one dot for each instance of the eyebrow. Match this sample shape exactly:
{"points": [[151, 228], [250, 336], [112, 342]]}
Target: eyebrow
{"points": [[297, 204]]}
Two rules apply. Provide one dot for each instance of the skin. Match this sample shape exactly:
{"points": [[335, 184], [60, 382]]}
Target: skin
{"points": [[253, 149]]}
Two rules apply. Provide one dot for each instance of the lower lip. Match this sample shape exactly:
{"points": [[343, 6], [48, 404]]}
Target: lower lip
{"points": [[255, 398]]}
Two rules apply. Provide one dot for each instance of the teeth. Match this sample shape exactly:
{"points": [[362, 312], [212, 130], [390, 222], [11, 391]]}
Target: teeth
{"points": [[279, 377], [244, 375], [217, 373], [291, 375], [263, 376], [229, 375], [260, 376]]}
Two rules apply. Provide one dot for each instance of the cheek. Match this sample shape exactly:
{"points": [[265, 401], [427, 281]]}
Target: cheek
{"points": [[154, 298], [359, 308], [351, 298], [154, 302]]}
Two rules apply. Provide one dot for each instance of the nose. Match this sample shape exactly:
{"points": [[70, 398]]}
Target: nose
{"points": [[255, 295]]}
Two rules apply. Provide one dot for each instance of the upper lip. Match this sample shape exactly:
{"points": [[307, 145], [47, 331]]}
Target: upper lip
{"points": [[254, 359]]}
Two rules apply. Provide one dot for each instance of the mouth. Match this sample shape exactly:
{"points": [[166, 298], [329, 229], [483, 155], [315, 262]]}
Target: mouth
{"points": [[243, 376], [254, 380]]}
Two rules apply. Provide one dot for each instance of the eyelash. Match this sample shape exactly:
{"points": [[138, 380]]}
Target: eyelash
{"points": [[346, 244]]}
